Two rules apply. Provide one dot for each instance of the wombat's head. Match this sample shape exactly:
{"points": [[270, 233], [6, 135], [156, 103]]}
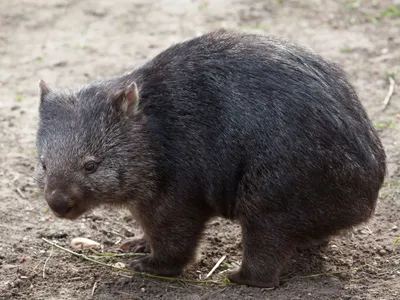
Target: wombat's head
{"points": [[89, 147]]}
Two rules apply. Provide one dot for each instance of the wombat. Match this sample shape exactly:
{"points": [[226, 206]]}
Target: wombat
{"points": [[255, 129]]}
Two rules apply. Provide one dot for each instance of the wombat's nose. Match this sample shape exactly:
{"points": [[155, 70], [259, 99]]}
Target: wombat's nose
{"points": [[58, 202]]}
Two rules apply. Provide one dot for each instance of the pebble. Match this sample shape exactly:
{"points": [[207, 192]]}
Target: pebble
{"points": [[120, 265], [8, 266], [128, 233], [84, 243], [382, 252], [15, 283], [395, 228]]}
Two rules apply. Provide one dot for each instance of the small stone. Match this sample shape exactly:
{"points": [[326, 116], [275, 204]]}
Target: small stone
{"points": [[388, 249], [8, 266], [127, 218], [17, 283], [142, 290], [128, 233], [81, 243], [344, 276], [217, 239], [395, 228], [382, 252], [120, 265]]}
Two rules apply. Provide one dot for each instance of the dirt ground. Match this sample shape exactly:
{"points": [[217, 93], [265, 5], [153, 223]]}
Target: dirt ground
{"points": [[71, 42]]}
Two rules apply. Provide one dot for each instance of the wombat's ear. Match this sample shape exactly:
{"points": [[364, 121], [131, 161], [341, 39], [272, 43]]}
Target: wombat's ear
{"points": [[44, 89], [127, 100]]}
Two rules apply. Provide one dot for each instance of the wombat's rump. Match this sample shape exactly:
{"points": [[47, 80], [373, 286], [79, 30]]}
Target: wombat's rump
{"points": [[247, 127]]}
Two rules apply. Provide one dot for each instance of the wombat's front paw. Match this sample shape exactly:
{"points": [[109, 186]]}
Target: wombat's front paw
{"points": [[237, 276], [149, 265], [135, 246]]}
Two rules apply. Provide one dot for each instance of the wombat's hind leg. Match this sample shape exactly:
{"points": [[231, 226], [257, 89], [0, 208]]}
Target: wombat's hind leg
{"points": [[267, 246], [138, 245]]}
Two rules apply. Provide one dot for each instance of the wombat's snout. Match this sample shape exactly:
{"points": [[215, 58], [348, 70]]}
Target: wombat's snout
{"points": [[58, 202]]}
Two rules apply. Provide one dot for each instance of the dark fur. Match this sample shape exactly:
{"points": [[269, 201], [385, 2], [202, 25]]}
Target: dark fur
{"points": [[246, 127]]}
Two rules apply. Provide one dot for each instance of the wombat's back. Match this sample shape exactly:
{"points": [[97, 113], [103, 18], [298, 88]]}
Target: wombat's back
{"points": [[228, 108]]}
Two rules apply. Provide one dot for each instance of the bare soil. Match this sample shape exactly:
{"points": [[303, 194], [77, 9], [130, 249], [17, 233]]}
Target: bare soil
{"points": [[71, 42]]}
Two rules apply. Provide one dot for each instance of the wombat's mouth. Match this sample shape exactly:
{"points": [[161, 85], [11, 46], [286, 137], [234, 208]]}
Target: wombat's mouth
{"points": [[71, 214]]}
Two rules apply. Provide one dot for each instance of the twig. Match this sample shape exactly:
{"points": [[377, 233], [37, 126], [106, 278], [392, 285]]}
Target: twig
{"points": [[389, 93], [118, 234], [45, 263], [216, 266], [75, 278], [37, 265], [109, 254], [369, 230], [20, 193], [94, 288], [335, 273], [126, 276], [132, 271]]}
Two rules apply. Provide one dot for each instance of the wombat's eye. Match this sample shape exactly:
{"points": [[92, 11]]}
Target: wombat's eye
{"points": [[90, 166]]}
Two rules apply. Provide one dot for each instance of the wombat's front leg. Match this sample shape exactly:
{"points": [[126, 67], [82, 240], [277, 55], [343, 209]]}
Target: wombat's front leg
{"points": [[173, 233], [135, 245]]}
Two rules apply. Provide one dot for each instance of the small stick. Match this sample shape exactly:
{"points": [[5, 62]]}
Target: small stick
{"points": [[216, 266], [389, 93], [37, 265], [45, 263], [335, 273], [94, 288], [369, 230], [118, 234], [110, 254], [223, 271], [20, 193], [75, 278], [126, 276]]}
